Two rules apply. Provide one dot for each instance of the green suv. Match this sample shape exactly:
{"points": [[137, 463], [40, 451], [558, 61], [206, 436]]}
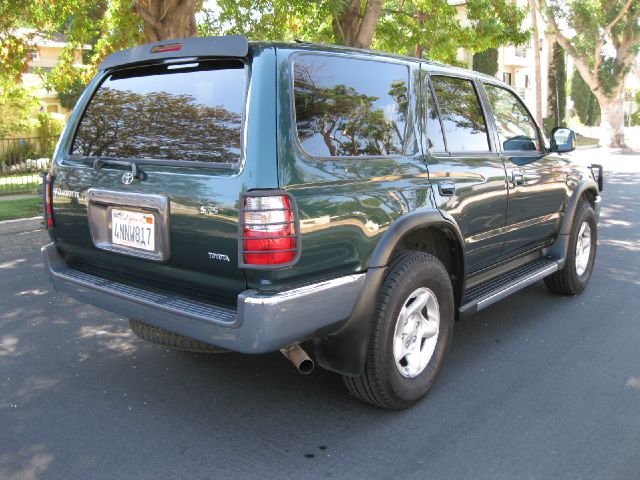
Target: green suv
{"points": [[227, 195]]}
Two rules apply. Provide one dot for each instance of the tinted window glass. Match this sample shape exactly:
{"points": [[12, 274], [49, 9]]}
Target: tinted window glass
{"points": [[464, 125], [434, 128], [348, 107], [166, 113], [516, 130]]}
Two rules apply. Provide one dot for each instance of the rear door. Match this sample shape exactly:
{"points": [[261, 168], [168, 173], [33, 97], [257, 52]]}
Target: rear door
{"points": [[467, 173], [147, 185]]}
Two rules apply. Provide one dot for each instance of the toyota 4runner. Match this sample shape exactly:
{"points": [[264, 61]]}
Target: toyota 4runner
{"points": [[227, 195]]}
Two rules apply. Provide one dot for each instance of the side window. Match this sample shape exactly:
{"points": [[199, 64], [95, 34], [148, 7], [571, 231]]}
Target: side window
{"points": [[516, 129], [347, 107], [434, 128], [461, 113]]}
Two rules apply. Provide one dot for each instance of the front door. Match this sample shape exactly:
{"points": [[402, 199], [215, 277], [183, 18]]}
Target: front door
{"points": [[537, 181]]}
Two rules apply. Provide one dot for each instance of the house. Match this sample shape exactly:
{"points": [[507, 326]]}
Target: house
{"points": [[516, 63], [44, 55]]}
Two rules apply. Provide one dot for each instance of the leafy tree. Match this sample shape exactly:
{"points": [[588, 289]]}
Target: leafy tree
{"points": [[108, 25], [486, 61], [603, 39], [416, 27], [16, 108], [558, 86], [635, 117], [584, 101], [163, 19]]}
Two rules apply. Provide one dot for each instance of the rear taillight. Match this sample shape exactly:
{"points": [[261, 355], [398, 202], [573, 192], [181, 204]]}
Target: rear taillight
{"points": [[47, 201], [269, 233]]}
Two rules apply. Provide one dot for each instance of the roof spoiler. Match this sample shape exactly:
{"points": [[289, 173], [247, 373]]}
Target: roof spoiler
{"points": [[228, 46]]}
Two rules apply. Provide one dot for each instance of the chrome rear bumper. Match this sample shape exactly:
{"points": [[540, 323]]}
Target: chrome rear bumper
{"points": [[261, 323]]}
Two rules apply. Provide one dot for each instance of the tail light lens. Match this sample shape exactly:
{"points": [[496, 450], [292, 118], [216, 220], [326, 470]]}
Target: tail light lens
{"points": [[269, 234], [47, 201]]}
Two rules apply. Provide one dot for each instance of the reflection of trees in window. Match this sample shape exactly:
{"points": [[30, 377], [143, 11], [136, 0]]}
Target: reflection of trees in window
{"points": [[349, 122], [434, 129], [514, 125], [461, 114], [158, 125]]}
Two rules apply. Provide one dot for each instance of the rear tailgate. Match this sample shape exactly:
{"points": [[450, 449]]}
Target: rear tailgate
{"points": [[147, 179]]}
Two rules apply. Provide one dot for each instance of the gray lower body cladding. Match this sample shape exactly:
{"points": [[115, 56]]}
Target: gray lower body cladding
{"points": [[262, 323]]}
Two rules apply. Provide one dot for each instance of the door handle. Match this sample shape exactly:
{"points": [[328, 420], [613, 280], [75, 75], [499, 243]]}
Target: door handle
{"points": [[447, 189], [517, 178]]}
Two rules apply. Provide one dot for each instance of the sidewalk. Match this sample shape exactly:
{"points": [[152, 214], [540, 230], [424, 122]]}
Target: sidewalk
{"points": [[612, 159], [21, 225]]}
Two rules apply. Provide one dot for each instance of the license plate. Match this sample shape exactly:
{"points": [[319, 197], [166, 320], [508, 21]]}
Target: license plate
{"points": [[133, 229]]}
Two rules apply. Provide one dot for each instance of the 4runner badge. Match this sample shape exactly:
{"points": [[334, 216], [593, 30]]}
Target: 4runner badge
{"points": [[127, 178]]}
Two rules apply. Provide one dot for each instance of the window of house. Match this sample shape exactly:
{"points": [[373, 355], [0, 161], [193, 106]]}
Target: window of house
{"points": [[464, 125], [506, 77], [347, 107], [516, 129], [52, 109]]}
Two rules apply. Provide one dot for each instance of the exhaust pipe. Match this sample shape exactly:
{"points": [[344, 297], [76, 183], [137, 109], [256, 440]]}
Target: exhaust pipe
{"points": [[299, 358]]}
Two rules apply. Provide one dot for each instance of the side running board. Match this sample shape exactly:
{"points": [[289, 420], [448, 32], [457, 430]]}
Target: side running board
{"points": [[491, 291]]}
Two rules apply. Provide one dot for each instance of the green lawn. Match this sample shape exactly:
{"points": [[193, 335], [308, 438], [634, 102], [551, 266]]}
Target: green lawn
{"points": [[20, 208], [582, 141]]}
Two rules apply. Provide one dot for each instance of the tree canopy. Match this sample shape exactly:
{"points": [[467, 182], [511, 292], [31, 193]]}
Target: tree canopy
{"points": [[603, 37], [430, 28]]}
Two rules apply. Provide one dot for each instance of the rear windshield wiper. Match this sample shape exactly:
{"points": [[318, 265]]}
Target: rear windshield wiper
{"points": [[99, 162]]}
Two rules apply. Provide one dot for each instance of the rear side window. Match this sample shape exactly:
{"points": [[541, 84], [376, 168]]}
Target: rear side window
{"points": [[515, 126], [181, 112], [464, 125], [347, 107], [434, 128]]}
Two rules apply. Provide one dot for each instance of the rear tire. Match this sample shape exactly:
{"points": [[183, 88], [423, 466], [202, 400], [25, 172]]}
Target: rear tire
{"points": [[410, 333], [169, 339], [575, 275]]}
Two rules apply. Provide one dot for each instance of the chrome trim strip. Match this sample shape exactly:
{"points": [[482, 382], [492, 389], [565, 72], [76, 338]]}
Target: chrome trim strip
{"points": [[297, 293], [531, 222]]}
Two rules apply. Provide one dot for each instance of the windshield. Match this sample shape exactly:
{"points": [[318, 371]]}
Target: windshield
{"points": [[177, 112]]}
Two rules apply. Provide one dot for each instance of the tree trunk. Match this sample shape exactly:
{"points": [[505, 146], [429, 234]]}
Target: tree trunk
{"points": [[536, 57], [355, 29], [166, 19], [612, 121], [420, 16]]}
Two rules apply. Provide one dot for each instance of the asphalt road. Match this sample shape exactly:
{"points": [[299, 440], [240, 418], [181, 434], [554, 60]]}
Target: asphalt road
{"points": [[535, 387]]}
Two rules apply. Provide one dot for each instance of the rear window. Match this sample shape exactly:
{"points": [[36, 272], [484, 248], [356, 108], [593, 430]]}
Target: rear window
{"points": [[348, 107], [179, 112]]}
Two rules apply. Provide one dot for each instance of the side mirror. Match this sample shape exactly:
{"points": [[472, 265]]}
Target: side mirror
{"points": [[563, 140]]}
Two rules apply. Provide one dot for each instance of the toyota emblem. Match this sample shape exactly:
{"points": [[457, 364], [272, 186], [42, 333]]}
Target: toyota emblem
{"points": [[127, 178]]}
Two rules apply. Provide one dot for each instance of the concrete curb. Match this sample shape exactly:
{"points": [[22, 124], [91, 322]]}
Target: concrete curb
{"points": [[21, 225]]}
